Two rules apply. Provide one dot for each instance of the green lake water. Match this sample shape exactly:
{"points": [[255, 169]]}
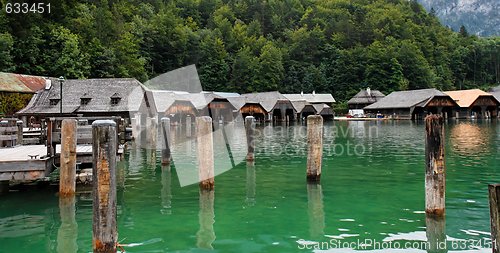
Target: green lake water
{"points": [[372, 188]]}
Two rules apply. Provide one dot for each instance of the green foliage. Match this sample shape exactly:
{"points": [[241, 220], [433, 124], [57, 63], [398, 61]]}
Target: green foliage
{"points": [[334, 46], [10, 103]]}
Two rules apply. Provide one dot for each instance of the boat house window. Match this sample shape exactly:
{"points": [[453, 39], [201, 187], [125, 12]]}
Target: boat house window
{"points": [[115, 99], [84, 101], [54, 101]]}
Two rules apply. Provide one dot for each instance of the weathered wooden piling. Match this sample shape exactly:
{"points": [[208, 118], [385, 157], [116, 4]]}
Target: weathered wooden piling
{"points": [[206, 234], [494, 194], [205, 145], [137, 129], [435, 172], [152, 130], [68, 231], [50, 136], [315, 147], [104, 237], [67, 175], [188, 126], [250, 131], [19, 125], [165, 151]]}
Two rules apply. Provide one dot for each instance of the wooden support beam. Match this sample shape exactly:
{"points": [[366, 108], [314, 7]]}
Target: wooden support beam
{"points": [[67, 175], [250, 132], [165, 152], [204, 137], [435, 171], [494, 195], [315, 147], [104, 230]]}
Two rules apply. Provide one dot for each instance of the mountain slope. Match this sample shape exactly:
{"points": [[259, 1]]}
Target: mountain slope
{"points": [[480, 17]]}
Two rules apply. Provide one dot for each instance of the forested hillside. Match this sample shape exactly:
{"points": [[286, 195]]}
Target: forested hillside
{"points": [[334, 46]]}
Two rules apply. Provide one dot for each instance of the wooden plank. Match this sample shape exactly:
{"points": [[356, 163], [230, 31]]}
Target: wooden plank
{"points": [[8, 129]]}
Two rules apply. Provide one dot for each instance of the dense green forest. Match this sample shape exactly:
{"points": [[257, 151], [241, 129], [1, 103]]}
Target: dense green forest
{"points": [[334, 46]]}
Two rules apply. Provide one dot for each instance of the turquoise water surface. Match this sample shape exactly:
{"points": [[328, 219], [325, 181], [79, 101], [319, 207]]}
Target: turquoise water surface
{"points": [[372, 190]]}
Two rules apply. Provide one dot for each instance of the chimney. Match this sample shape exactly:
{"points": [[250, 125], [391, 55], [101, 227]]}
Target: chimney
{"points": [[48, 84], [369, 91], [302, 93], [314, 92]]}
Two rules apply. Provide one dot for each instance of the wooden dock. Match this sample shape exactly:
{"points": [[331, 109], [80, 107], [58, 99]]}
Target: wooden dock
{"points": [[31, 162], [24, 163]]}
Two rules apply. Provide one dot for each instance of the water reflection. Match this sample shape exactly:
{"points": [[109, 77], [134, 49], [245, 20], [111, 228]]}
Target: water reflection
{"points": [[166, 190], [469, 139], [315, 211], [436, 234], [206, 216], [68, 231], [251, 185]]}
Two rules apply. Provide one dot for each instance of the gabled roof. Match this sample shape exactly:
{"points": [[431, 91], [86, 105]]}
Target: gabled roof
{"points": [[100, 91], [266, 99], [10, 82], [163, 100], [366, 96], [406, 99], [313, 98], [465, 98]]}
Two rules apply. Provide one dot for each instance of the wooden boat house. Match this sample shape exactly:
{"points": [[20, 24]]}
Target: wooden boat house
{"points": [[88, 98], [276, 106], [413, 104], [175, 105], [364, 98], [474, 103], [313, 103]]}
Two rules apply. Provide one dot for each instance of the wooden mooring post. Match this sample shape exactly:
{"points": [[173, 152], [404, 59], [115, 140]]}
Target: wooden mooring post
{"points": [[67, 175], [104, 238], [315, 147], [250, 131], [19, 125], [188, 126], [165, 151], [494, 194], [435, 171], [205, 150]]}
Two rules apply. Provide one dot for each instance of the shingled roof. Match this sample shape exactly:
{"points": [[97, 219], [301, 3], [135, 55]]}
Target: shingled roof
{"points": [[366, 96], [266, 99], [313, 98], [127, 94], [465, 98], [10, 82], [406, 99]]}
